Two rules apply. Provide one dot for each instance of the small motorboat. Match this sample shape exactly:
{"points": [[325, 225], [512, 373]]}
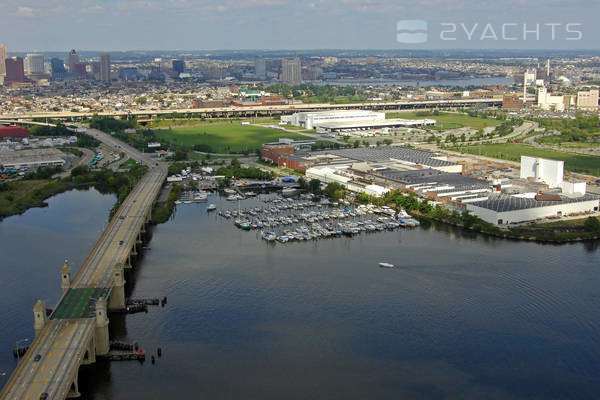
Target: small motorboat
{"points": [[386, 265], [211, 207]]}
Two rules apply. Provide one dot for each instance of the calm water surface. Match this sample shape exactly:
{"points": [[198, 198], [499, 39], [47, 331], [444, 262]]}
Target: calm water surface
{"points": [[464, 316]]}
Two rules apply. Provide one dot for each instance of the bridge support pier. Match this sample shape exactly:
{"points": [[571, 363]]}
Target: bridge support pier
{"points": [[39, 316], [65, 276], [102, 339], [89, 355], [74, 389], [128, 264], [117, 294]]}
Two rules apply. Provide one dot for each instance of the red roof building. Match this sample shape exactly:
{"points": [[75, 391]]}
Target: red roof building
{"points": [[13, 132]]}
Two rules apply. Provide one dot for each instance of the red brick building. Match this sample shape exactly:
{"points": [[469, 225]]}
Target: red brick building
{"points": [[13, 132], [282, 154], [512, 102], [272, 151]]}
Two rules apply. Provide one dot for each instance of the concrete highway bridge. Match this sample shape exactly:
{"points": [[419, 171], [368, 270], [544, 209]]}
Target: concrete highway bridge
{"points": [[261, 111], [76, 332]]}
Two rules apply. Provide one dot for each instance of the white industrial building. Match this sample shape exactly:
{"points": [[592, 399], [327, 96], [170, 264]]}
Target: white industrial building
{"points": [[373, 124], [588, 100], [331, 121], [310, 120], [339, 175], [542, 170], [549, 102], [505, 209], [573, 188]]}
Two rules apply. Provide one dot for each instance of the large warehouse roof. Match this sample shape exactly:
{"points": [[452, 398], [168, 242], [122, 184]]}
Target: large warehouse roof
{"points": [[364, 124], [504, 203], [393, 153]]}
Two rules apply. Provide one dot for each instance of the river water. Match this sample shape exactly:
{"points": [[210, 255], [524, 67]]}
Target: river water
{"points": [[465, 316]]}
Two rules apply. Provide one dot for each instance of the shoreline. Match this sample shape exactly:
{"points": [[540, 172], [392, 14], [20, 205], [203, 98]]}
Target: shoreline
{"points": [[503, 234]]}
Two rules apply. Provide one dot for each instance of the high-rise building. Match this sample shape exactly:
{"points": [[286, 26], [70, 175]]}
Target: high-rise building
{"points": [[34, 64], [3, 57], [15, 71], [291, 70], [588, 100], [81, 70], [57, 67], [73, 60], [105, 67], [96, 69], [178, 66], [260, 67]]}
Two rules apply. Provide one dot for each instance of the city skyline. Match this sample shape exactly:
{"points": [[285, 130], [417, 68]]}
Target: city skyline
{"points": [[283, 24]]}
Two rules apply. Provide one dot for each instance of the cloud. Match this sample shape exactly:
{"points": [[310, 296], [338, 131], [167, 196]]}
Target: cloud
{"points": [[261, 3], [97, 8], [26, 12]]}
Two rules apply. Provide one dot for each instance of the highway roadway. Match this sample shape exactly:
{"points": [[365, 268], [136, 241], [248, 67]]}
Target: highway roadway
{"points": [[253, 110], [63, 341]]}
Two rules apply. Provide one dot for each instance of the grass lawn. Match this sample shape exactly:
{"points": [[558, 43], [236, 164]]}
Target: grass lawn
{"points": [[225, 137], [128, 164], [167, 123], [450, 120], [513, 151]]}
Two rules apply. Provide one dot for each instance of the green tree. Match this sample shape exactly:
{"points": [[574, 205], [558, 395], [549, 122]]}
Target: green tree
{"points": [[314, 186], [235, 163], [592, 224]]}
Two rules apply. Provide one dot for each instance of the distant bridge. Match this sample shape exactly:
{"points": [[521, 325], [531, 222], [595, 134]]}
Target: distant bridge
{"points": [[260, 111]]}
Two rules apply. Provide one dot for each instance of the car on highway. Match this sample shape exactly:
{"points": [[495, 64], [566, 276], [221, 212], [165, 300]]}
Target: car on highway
{"points": [[43, 396], [37, 358]]}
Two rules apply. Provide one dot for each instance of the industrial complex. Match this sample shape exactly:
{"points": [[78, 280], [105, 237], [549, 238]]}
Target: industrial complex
{"points": [[334, 121], [32, 159], [539, 192]]}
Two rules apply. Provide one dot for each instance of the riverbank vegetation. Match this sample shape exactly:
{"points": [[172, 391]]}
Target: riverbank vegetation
{"points": [[18, 196], [560, 231], [162, 211]]}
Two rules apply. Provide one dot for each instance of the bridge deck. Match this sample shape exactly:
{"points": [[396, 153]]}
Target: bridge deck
{"points": [[276, 109], [63, 341]]}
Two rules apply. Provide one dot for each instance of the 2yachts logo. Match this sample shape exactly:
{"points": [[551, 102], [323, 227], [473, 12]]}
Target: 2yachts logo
{"points": [[411, 31], [416, 31]]}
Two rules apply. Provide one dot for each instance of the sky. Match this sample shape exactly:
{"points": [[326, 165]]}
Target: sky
{"points": [[58, 25]]}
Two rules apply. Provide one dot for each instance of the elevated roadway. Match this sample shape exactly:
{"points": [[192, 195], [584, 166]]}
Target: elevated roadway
{"points": [[255, 111], [77, 331]]}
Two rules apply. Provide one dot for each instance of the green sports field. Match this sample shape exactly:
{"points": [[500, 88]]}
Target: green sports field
{"points": [[225, 137], [450, 120], [513, 151]]}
